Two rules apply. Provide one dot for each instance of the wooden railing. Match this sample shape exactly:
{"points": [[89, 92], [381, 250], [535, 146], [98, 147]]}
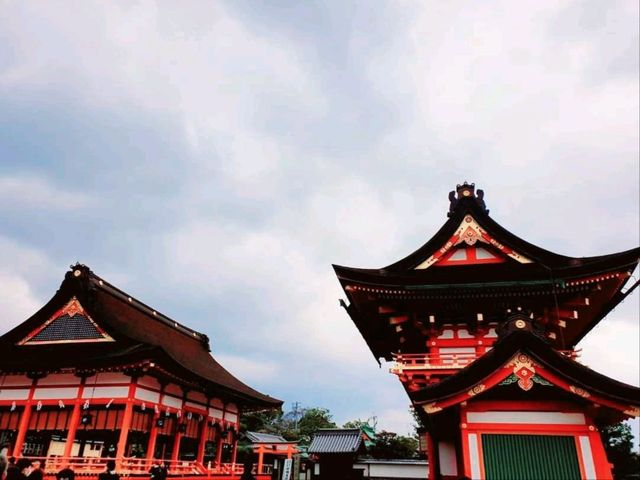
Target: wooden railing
{"points": [[424, 361], [444, 361], [135, 466]]}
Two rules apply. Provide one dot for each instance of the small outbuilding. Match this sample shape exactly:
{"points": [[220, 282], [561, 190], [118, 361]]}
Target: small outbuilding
{"points": [[336, 451]]}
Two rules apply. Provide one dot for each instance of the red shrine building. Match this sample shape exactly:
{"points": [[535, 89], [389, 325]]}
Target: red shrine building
{"points": [[482, 328], [96, 374]]}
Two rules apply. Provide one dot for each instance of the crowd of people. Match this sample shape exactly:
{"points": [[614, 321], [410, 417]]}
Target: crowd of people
{"points": [[31, 469]]}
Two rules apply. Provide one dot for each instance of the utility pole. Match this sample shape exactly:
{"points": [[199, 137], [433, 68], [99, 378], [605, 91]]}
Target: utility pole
{"points": [[295, 412]]}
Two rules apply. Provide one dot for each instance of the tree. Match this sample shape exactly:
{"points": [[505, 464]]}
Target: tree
{"points": [[618, 442], [389, 445], [370, 423], [314, 419], [263, 421]]}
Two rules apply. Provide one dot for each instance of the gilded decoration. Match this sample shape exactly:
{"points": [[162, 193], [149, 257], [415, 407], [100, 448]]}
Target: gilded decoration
{"points": [[470, 232], [72, 308], [579, 391], [633, 411], [524, 369], [431, 408], [476, 390]]}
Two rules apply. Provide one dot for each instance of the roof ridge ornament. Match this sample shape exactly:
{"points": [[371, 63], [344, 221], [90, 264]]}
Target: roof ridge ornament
{"points": [[466, 190]]}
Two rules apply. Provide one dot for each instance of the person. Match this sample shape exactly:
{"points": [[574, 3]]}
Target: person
{"points": [[36, 471], [110, 472], [248, 466], [157, 472], [66, 474], [19, 471], [4, 461]]}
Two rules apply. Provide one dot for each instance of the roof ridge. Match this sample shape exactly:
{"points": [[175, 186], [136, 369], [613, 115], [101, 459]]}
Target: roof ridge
{"points": [[81, 270]]}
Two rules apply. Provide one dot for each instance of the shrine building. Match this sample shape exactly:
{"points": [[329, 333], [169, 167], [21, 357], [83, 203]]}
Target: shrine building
{"points": [[97, 374], [482, 328]]}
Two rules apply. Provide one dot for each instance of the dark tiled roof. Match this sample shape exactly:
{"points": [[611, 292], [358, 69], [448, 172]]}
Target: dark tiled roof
{"points": [[568, 369], [257, 437], [140, 334], [345, 440]]}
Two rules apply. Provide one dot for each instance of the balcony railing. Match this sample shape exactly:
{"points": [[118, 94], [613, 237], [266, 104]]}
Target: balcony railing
{"points": [[445, 361], [427, 361], [139, 466]]}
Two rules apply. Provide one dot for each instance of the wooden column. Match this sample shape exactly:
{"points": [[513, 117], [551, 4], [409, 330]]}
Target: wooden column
{"points": [[153, 437], [74, 421], [126, 422], [221, 439], [260, 459], [431, 457], [235, 448], [204, 433], [153, 433], [175, 453], [24, 420], [22, 430], [176, 442], [219, 449], [600, 461]]}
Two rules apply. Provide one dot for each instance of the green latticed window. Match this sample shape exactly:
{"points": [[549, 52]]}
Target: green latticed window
{"points": [[530, 457]]}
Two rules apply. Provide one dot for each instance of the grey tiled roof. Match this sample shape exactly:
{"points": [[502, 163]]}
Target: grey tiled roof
{"points": [[342, 440], [257, 437]]}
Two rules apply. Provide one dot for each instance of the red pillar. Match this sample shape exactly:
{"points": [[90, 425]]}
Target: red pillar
{"points": [[153, 436], [600, 461], [73, 422], [260, 459], [219, 449], [431, 456], [204, 433], [24, 421], [126, 422], [176, 443], [175, 453], [22, 430]]}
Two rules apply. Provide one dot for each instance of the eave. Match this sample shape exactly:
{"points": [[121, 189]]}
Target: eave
{"points": [[489, 369]]}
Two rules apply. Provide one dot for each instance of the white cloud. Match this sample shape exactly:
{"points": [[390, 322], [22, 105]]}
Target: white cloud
{"points": [[39, 193], [21, 269], [248, 370], [528, 100]]}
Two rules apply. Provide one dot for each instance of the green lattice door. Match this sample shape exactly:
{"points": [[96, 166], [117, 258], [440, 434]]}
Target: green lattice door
{"points": [[530, 457]]}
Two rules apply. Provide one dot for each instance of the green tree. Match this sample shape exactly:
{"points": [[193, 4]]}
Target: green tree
{"points": [[389, 445], [314, 419], [618, 442], [370, 423], [264, 421]]}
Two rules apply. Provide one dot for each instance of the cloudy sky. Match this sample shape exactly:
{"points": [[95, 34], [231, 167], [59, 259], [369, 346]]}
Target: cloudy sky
{"points": [[213, 159]]}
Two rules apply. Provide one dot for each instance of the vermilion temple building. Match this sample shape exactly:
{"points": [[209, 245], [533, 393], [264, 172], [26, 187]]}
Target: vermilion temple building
{"points": [[95, 374], [483, 328]]}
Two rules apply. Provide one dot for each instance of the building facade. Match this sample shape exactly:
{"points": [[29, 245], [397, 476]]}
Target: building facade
{"points": [[482, 328], [96, 374]]}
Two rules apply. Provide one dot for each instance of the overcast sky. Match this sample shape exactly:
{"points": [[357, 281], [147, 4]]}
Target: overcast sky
{"points": [[213, 159]]}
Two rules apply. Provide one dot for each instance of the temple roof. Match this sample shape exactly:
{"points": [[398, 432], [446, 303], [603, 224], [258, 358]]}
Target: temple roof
{"points": [[105, 328], [526, 261], [336, 440], [566, 372], [473, 265]]}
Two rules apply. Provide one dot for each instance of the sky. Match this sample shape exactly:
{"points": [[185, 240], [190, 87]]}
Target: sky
{"points": [[213, 159]]}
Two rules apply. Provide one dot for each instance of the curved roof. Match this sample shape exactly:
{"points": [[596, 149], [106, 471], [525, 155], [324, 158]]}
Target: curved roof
{"points": [[543, 263], [428, 281], [139, 333], [541, 352]]}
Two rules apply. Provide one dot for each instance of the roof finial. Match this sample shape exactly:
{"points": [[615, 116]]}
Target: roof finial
{"points": [[466, 190]]}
